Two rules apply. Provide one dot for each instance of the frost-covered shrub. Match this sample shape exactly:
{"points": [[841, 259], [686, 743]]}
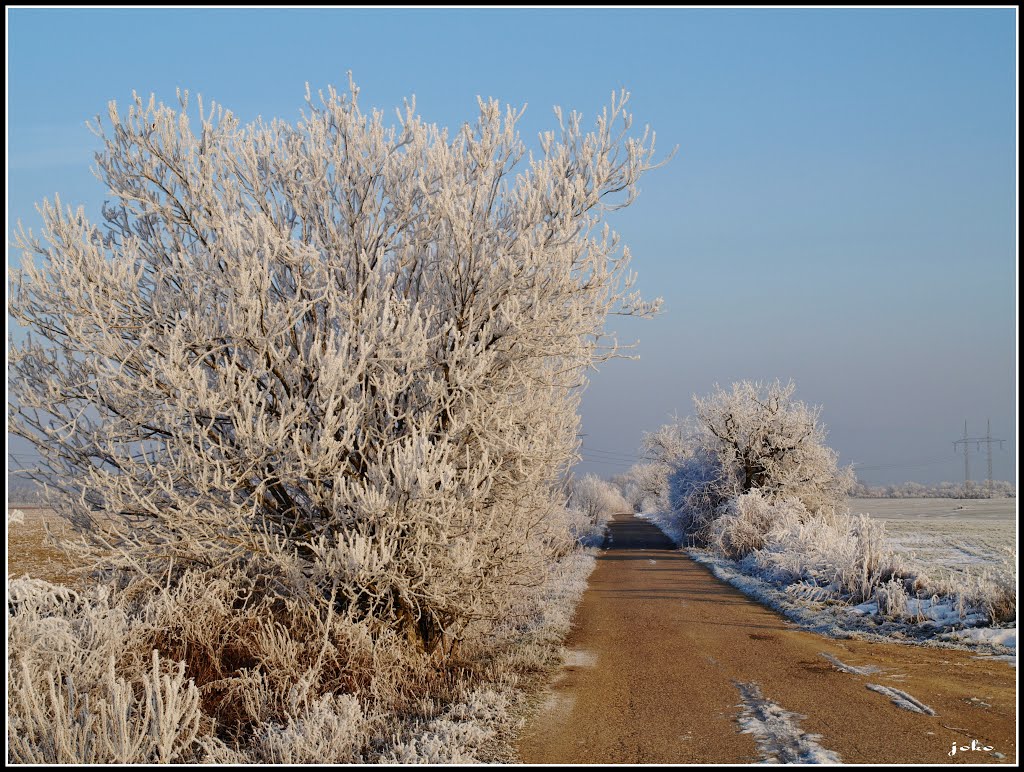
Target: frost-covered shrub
{"points": [[847, 554], [255, 666], [742, 525], [697, 491], [754, 439], [330, 730], [1000, 598], [456, 737], [862, 560], [992, 592], [892, 598], [765, 440], [644, 486], [53, 629], [342, 356], [53, 721], [591, 503], [244, 676]]}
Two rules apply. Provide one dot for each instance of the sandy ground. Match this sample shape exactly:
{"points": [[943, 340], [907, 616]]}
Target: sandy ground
{"points": [[660, 649]]}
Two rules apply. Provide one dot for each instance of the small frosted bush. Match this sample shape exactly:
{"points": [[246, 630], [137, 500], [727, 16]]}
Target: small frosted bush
{"points": [[331, 730], [89, 685], [592, 501], [992, 592], [458, 736], [846, 554], [892, 598], [863, 560], [742, 526]]}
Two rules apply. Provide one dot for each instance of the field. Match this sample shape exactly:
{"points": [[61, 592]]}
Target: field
{"points": [[27, 550], [971, 510], [947, 536]]}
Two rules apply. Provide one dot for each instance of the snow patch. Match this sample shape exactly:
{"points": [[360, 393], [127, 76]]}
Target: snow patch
{"points": [[843, 667], [557, 705], [777, 733], [1010, 659], [902, 700], [579, 658], [999, 636]]}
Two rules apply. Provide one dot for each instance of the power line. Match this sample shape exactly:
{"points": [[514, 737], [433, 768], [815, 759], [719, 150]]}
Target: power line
{"points": [[607, 461], [612, 453], [903, 464], [988, 439]]}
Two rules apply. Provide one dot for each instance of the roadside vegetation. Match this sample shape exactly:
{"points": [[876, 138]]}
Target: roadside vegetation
{"points": [[308, 400], [749, 485]]}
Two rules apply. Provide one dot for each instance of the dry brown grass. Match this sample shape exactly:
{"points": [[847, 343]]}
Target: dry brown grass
{"points": [[28, 552]]}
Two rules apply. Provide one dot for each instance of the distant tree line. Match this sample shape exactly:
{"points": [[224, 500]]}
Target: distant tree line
{"points": [[23, 492], [997, 489]]}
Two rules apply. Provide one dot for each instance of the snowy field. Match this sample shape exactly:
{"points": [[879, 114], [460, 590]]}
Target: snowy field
{"points": [[946, 536]]}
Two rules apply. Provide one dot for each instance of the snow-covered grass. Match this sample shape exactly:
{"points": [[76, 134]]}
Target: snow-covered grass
{"points": [[843, 577]]}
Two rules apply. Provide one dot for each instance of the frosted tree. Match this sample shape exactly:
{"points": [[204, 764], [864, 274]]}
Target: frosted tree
{"points": [[752, 440], [591, 503], [763, 439], [339, 356]]}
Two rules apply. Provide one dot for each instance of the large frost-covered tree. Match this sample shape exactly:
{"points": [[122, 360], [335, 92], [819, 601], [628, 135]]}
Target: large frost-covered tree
{"points": [[341, 356], [751, 440], [763, 439]]}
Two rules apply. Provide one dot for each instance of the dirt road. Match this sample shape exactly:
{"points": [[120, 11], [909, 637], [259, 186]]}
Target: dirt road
{"points": [[665, 662]]}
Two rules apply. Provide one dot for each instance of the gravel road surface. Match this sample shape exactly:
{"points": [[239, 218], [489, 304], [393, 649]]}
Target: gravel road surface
{"points": [[666, 664]]}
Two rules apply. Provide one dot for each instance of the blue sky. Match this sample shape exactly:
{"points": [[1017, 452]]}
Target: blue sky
{"points": [[841, 210]]}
